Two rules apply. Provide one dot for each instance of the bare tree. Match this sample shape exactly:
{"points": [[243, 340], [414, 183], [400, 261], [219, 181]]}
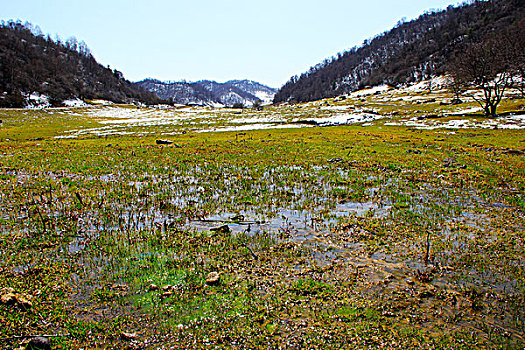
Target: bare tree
{"points": [[257, 105], [485, 67], [456, 89]]}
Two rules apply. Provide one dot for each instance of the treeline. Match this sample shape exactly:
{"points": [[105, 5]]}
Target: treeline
{"points": [[410, 52], [31, 62]]}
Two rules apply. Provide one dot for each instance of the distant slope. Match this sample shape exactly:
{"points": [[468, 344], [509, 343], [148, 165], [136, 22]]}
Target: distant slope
{"points": [[408, 53], [32, 63], [205, 92]]}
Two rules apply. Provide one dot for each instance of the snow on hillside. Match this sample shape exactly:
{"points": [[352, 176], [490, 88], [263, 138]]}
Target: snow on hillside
{"points": [[211, 93]]}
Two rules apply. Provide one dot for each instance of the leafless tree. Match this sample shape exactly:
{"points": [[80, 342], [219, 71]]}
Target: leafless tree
{"points": [[485, 67], [455, 88]]}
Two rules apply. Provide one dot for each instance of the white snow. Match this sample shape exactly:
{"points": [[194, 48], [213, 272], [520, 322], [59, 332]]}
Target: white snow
{"points": [[435, 83], [350, 118], [265, 97], [36, 100], [75, 103], [254, 120], [370, 91], [465, 111], [101, 102]]}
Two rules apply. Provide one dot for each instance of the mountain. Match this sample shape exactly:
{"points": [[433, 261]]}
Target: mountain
{"points": [[410, 52], [34, 65], [210, 93]]}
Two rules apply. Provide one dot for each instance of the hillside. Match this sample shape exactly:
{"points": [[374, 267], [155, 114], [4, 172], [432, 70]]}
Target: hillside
{"points": [[31, 63], [205, 92], [408, 53]]}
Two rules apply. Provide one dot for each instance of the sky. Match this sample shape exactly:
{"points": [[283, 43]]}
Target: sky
{"points": [[266, 41]]}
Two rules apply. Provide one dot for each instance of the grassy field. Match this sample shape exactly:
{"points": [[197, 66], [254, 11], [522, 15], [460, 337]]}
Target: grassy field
{"points": [[404, 230]]}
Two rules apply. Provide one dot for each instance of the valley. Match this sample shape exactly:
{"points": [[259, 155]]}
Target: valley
{"points": [[385, 218]]}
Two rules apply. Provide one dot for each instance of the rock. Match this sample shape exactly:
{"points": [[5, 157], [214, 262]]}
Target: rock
{"points": [[167, 288], [153, 287], [128, 336], [515, 152], [9, 298], [120, 286], [167, 294], [237, 218], [163, 142], [449, 162], [23, 302], [213, 279], [6, 290], [456, 101], [426, 275], [221, 229], [425, 294], [39, 343], [429, 116]]}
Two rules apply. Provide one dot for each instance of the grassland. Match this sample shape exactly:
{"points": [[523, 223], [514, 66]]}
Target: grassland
{"points": [[404, 230]]}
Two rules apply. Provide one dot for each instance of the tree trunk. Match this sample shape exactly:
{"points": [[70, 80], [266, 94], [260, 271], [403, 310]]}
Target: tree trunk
{"points": [[493, 110]]}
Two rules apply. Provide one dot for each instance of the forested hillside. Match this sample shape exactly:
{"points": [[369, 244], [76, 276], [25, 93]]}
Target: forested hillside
{"points": [[211, 93], [31, 62], [410, 52]]}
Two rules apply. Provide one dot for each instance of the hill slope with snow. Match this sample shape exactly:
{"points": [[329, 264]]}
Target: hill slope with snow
{"points": [[210, 93]]}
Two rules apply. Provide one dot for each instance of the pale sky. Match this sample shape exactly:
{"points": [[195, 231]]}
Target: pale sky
{"points": [[266, 41]]}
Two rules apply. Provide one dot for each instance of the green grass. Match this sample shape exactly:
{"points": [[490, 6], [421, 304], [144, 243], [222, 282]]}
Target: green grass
{"points": [[331, 228]]}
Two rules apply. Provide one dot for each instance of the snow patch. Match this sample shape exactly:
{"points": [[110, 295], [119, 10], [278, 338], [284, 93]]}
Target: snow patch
{"points": [[101, 102], [265, 97], [434, 83], [341, 119], [75, 103], [370, 91], [37, 101]]}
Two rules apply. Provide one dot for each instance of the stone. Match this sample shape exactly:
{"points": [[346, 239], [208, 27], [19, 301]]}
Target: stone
{"points": [[39, 343], [6, 290], [221, 229], [167, 294], [449, 162], [128, 336], [153, 287], [515, 152], [237, 218], [23, 302], [213, 279], [9, 298], [163, 142]]}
